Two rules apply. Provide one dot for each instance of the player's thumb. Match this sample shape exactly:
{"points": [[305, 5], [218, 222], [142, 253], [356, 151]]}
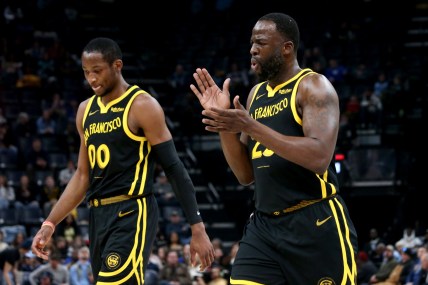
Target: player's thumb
{"points": [[226, 85], [237, 104], [42, 242]]}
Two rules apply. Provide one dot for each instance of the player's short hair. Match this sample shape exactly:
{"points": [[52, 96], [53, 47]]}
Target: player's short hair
{"points": [[109, 49], [286, 26]]}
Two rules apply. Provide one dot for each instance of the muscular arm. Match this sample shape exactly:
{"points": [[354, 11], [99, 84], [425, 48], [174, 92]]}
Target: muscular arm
{"points": [[318, 104], [73, 194], [235, 151], [75, 190], [147, 114]]}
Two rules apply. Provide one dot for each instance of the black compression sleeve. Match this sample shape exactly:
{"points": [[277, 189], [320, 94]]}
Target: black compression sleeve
{"points": [[177, 175]]}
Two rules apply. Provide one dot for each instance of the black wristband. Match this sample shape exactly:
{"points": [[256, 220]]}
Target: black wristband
{"points": [[179, 178]]}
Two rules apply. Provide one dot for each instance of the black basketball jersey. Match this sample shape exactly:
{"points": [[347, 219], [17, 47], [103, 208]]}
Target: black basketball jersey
{"points": [[120, 161], [281, 184]]}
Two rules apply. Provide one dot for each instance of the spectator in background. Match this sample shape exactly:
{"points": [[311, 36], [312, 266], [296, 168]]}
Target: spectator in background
{"points": [[370, 110], [7, 193], [419, 253], [69, 229], [58, 108], [408, 263], [26, 193], [420, 274], [409, 239], [314, 59], [174, 242], [9, 260], [163, 191], [352, 109], [49, 194], [386, 267], [59, 272], [318, 60], [12, 12], [381, 85], [174, 272], [18, 239], [23, 129], [151, 277], [35, 51], [400, 271], [219, 252], [176, 224], [336, 72], [65, 174], [361, 77], [29, 78], [61, 247], [81, 271], [3, 244], [8, 148], [37, 157], [46, 67], [374, 247], [46, 278], [347, 134], [216, 276], [12, 70], [71, 139], [46, 124], [180, 79], [72, 255], [27, 265]]}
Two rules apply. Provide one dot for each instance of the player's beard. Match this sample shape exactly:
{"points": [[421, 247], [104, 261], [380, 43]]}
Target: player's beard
{"points": [[108, 84], [270, 67], [108, 88], [106, 91]]}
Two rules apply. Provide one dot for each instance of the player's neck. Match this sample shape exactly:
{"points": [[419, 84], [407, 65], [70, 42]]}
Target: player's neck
{"points": [[285, 75]]}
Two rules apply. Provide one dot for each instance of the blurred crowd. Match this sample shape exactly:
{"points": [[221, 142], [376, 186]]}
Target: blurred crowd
{"points": [[41, 85]]}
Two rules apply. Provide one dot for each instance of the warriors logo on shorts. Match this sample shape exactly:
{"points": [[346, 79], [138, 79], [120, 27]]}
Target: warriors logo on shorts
{"points": [[113, 261], [326, 281]]}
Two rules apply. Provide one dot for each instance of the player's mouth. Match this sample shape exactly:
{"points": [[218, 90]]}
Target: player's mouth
{"points": [[254, 64], [96, 88]]}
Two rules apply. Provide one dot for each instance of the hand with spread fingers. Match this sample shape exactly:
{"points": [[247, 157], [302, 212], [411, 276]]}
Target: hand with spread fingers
{"points": [[227, 120], [216, 104], [208, 93]]}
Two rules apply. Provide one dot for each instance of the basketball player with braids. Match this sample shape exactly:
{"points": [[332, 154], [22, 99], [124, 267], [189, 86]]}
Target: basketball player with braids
{"points": [[283, 141], [123, 132]]}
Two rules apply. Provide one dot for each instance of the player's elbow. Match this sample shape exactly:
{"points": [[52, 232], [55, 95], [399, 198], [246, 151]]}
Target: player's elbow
{"points": [[246, 183], [245, 180], [320, 166]]}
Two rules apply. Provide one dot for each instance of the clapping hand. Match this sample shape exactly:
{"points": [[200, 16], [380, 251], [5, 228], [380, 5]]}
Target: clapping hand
{"points": [[208, 93]]}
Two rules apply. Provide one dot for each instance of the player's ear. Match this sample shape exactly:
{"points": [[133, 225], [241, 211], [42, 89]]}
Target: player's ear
{"points": [[288, 47], [118, 64]]}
